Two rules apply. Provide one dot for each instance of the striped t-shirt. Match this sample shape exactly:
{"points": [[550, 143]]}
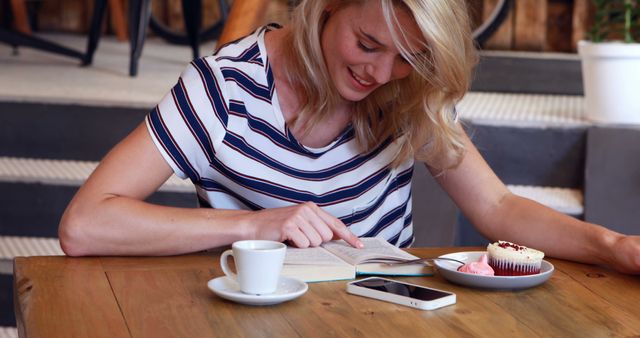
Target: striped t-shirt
{"points": [[221, 126]]}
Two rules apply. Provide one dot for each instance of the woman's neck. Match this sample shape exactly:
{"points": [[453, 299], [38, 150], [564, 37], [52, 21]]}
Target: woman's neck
{"points": [[290, 103], [287, 96]]}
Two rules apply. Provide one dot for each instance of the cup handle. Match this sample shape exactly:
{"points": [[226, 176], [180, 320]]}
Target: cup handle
{"points": [[225, 267]]}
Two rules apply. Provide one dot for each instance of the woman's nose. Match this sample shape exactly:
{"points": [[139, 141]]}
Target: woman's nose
{"points": [[381, 70], [388, 68]]}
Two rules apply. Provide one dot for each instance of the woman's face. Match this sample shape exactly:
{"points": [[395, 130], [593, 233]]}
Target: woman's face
{"points": [[359, 51]]}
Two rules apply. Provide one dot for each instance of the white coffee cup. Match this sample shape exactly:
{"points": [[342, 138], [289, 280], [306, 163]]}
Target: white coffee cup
{"points": [[258, 263]]}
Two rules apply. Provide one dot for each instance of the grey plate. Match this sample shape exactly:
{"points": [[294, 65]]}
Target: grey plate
{"points": [[449, 270]]}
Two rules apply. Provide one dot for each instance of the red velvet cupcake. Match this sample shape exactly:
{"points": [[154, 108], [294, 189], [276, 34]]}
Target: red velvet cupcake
{"points": [[508, 259]]}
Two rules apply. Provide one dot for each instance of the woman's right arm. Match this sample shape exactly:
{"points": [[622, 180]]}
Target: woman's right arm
{"points": [[108, 215]]}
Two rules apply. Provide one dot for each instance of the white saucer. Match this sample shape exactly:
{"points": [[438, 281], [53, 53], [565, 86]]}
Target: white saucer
{"points": [[449, 270], [288, 289]]}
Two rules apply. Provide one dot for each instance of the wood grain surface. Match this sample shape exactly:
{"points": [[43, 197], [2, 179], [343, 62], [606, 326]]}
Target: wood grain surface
{"points": [[244, 17], [65, 297], [530, 25], [168, 297], [559, 26], [118, 21], [582, 19], [20, 16], [502, 39]]}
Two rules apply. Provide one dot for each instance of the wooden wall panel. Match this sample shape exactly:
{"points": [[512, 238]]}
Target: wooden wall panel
{"points": [[559, 16], [474, 7], [170, 13], [174, 15], [530, 25], [244, 17], [20, 16], [278, 11], [502, 39], [210, 12], [159, 9], [582, 19], [75, 15], [49, 16], [65, 16], [117, 17]]}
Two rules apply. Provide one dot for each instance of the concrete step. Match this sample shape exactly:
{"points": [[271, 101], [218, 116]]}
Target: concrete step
{"points": [[532, 156], [65, 173], [8, 332], [64, 131], [15, 246], [564, 200], [7, 316], [85, 132], [528, 139], [528, 72], [37, 191], [523, 110]]}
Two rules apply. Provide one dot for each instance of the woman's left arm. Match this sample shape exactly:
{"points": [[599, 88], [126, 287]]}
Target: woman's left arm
{"points": [[499, 214]]}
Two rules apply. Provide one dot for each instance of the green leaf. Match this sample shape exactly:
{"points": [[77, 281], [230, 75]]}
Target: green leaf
{"points": [[615, 20]]}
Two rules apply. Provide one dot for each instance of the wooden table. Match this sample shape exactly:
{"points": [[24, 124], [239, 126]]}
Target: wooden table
{"points": [[168, 297]]}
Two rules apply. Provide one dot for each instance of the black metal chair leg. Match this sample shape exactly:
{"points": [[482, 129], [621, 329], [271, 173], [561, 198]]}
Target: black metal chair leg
{"points": [[99, 11], [15, 38], [7, 21], [139, 13], [192, 14]]}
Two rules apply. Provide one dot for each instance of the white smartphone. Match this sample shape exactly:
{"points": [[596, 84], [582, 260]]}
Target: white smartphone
{"points": [[416, 296]]}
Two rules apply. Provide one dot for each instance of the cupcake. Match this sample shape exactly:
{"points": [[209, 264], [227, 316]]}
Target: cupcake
{"points": [[508, 259]]}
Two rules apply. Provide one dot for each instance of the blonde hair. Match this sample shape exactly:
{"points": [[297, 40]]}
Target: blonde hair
{"points": [[418, 110]]}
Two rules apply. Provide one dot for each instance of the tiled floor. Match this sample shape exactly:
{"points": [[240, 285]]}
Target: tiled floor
{"points": [[37, 76], [524, 110], [43, 77], [64, 172], [8, 332]]}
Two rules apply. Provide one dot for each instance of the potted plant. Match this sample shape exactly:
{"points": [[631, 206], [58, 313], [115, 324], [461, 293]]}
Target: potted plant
{"points": [[611, 63]]}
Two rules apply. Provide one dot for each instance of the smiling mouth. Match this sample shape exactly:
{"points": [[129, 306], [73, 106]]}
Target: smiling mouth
{"points": [[360, 80]]}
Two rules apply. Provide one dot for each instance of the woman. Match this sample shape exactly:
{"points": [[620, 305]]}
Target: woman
{"points": [[309, 132]]}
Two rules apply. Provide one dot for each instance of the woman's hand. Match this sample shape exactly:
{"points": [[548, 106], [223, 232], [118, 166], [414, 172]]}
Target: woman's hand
{"points": [[304, 225], [626, 254]]}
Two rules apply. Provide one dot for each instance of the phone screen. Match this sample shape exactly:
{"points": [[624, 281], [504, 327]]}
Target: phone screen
{"points": [[402, 289]]}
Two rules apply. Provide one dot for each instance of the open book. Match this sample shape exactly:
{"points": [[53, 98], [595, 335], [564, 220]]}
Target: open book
{"points": [[337, 260]]}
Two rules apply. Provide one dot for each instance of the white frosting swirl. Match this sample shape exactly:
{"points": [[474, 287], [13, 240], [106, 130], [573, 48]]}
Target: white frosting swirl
{"points": [[513, 252]]}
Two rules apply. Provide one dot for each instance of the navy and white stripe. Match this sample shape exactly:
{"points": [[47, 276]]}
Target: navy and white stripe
{"points": [[221, 126]]}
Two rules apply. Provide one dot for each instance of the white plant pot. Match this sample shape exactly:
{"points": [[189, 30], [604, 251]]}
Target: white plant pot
{"points": [[611, 78]]}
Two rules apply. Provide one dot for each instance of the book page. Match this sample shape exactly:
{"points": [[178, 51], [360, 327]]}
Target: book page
{"points": [[374, 248], [311, 256]]}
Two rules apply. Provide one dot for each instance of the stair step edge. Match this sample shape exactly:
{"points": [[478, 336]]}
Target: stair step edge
{"points": [[8, 332], [66, 173], [565, 200]]}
